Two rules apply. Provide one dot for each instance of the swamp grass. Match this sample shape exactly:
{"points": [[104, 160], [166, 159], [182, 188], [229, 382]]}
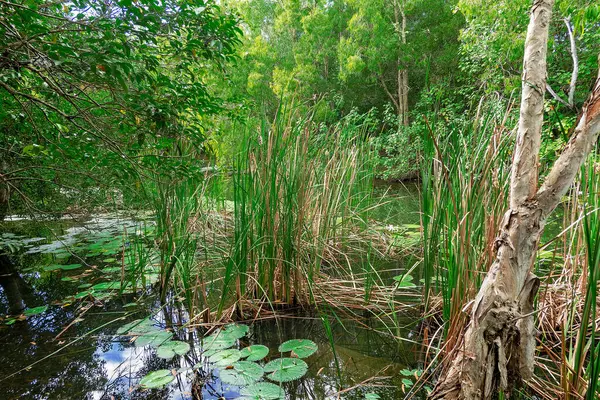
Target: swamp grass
{"points": [[465, 179]]}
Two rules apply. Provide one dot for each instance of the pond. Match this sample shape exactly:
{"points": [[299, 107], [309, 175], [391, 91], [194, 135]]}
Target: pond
{"points": [[68, 346]]}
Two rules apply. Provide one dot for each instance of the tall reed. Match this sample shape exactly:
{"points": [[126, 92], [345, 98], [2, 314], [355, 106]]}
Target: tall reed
{"points": [[299, 190], [464, 191]]}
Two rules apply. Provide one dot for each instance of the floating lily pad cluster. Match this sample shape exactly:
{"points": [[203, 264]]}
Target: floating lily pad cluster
{"points": [[241, 368], [147, 334]]}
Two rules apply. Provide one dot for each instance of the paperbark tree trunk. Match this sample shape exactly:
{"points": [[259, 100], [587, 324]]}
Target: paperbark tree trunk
{"points": [[497, 349]]}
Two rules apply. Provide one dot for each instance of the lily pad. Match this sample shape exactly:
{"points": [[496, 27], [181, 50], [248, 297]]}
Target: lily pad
{"points": [[35, 311], [372, 396], [217, 342], [65, 267], [137, 327], [171, 349], [235, 331], [225, 357], [157, 379], [243, 373], [263, 391], [84, 286], [107, 286], [255, 352], [286, 369], [153, 339], [302, 348]]}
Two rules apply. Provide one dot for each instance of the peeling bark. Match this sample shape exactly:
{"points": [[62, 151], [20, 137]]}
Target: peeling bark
{"points": [[497, 351]]}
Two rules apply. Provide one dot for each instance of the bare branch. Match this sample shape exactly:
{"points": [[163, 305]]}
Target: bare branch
{"points": [[563, 172], [575, 72], [556, 96]]}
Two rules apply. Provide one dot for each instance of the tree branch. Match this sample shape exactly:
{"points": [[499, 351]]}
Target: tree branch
{"points": [[575, 72], [563, 172], [524, 176]]}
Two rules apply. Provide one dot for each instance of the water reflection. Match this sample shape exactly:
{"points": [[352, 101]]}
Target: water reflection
{"points": [[85, 362]]}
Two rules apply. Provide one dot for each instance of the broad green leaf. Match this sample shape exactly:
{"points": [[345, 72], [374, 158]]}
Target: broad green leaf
{"points": [[157, 379], [255, 352], [243, 373], [217, 342], [372, 396], [300, 347], [404, 281], [153, 339], [263, 391], [225, 358], [171, 349], [286, 369], [107, 286], [235, 331]]}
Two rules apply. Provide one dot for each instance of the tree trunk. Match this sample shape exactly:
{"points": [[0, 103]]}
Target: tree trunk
{"points": [[402, 74], [404, 81], [497, 350]]}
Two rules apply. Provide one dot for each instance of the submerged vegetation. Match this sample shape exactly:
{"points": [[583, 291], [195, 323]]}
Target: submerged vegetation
{"points": [[300, 200]]}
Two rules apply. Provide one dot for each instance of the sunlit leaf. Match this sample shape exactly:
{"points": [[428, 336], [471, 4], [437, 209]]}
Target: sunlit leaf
{"points": [[302, 348], [255, 352], [286, 369]]}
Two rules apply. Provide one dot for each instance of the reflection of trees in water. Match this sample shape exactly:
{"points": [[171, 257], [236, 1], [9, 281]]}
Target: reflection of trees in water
{"points": [[13, 285]]}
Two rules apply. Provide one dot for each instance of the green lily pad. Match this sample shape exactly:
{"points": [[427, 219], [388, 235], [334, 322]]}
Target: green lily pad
{"points": [[137, 327], [84, 286], [66, 267], [255, 352], [263, 391], [243, 373], [157, 379], [217, 342], [225, 358], [372, 396], [235, 331], [35, 311], [171, 349], [109, 260], [153, 339], [110, 270], [286, 369], [300, 347], [115, 285]]}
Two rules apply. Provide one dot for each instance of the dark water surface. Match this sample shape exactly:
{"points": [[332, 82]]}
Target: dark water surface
{"points": [[48, 356]]}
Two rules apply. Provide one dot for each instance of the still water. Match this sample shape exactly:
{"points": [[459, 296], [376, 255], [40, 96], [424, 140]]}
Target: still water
{"points": [[70, 350]]}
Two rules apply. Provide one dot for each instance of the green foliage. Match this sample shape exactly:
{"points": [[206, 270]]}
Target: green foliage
{"points": [[286, 369], [301, 348], [153, 339], [263, 391], [225, 358], [255, 352], [242, 373], [157, 379], [172, 348]]}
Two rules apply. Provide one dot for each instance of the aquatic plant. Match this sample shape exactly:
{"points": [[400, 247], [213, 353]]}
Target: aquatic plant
{"points": [[235, 367]]}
